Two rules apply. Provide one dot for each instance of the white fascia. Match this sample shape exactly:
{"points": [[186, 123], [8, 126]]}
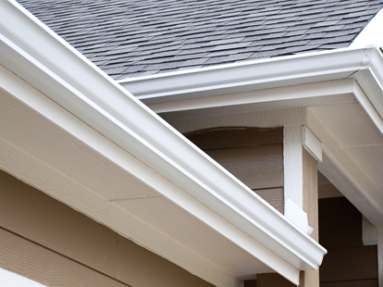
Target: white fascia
{"points": [[33, 52], [324, 74], [248, 76]]}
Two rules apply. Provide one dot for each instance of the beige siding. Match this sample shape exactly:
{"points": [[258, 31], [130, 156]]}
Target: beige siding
{"points": [[348, 262], [67, 247], [254, 156]]}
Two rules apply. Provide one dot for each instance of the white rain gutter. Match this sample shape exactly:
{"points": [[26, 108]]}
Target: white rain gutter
{"points": [[33, 52], [182, 90], [253, 75]]}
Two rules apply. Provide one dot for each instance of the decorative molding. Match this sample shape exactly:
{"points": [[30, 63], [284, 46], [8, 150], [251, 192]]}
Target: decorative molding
{"points": [[312, 144], [293, 165]]}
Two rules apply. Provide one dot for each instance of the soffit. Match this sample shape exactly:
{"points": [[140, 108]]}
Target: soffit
{"points": [[357, 135]]}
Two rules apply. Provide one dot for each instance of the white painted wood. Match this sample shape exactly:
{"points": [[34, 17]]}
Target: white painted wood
{"points": [[380, 255], [11, 279], [251, 75], [277, 98], [31, 170], [297, 216], [70, 80], [292, 162], [312, 144], [131, 165], [369, 232], [369, 108], [371, 34], [345, 174]]}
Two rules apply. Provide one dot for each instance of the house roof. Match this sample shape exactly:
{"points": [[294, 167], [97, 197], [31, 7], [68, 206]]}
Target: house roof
{"points": [[137, 38], [51, 80]]}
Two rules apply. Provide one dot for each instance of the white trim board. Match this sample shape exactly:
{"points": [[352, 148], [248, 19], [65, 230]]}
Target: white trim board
{"points": [[330, 92], [346, 175], [250, 76]]}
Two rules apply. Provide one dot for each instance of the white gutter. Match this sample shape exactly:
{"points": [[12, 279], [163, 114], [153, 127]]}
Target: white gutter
{"points": [[247, 76], [41, 58], [222, 85]]}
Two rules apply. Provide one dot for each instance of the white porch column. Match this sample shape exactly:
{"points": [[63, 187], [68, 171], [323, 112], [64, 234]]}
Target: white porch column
{"points": [[301, 152]]}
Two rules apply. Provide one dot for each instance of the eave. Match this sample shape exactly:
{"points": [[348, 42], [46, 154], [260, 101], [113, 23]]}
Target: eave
{"points": [[343, 76], [54, 81], [183, 88]]}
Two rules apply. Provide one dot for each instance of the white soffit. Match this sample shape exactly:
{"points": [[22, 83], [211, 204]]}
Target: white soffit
{"points": [[355, 146], [156, 154], [372, 34]]}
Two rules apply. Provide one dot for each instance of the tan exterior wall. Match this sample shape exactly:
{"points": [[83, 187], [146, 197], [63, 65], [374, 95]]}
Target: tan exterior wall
{"points": [[253, 155], [348, 262], [43, 239]]}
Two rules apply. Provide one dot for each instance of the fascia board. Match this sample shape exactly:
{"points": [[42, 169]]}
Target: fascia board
{"points": [[224, 85], [332, 92], [45, 61], [370, 80], [242, 77]]}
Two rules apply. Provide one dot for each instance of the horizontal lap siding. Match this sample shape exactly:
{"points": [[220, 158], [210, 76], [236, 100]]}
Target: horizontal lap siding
{"points": [[40, 264], [348, 262], [358, 283], [69, 247], [254, 156]]}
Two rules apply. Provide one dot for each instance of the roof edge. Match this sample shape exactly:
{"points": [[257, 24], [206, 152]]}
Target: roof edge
{"points": [[246, 76], [65, 76]]}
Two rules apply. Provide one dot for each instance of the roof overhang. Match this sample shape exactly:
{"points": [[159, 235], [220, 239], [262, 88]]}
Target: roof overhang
{"points": [[222, 84], [62, 104], [343, 76]]}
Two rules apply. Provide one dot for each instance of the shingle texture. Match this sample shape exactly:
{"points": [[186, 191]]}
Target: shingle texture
{"points": [[132, 38]]}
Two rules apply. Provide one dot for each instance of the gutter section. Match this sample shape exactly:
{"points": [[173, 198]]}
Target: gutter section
{"points": [[182, 90], [44, 60], [247, 76]]}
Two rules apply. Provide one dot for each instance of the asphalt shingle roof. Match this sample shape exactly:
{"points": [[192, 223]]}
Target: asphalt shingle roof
{"points": [[132, 38]]}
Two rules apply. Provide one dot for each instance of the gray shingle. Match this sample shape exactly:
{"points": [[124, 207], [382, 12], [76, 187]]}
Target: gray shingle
{"points": [[132, 38]]}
